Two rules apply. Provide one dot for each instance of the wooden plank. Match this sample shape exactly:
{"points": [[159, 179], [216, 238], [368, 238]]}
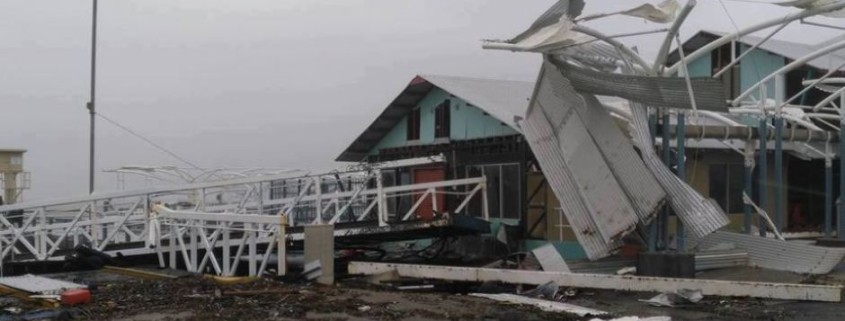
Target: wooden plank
{"points": [[784, 291]]}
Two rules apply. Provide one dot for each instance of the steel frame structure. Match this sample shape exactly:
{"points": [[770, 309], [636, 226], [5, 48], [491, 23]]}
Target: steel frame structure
{"points": [[246, 212]]}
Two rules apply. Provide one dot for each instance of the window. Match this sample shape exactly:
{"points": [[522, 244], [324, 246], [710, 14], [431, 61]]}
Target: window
{"points": [[503, 190], [414, 124], [441, 119], [726, 186]]}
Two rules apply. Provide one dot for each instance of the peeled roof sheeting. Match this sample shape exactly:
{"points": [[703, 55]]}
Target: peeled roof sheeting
{"points": [[668, 92], [567, 193], [571, 8], [592, 199], [609, 205], [700, 216], [638, 183], [780, 255]]}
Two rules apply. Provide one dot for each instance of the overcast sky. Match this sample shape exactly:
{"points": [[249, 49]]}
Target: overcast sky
{"points": [[254, 83]]}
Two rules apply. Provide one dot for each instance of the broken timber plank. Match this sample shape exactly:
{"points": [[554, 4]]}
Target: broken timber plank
{"points": [[784, 291]]}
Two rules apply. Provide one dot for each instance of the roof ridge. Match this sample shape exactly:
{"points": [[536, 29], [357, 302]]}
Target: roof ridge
{"points": [[472, 78]]}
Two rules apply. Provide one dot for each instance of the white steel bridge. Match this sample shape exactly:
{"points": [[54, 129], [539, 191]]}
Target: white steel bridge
{"points": [[238, 218]]}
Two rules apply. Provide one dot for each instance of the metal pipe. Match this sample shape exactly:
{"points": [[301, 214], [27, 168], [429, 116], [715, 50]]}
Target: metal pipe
{"points": [[745, 53], [91, 102], [762, 170], [744, 132], [783, 70], [752, 29], [779, 173], [663, 53], [780, 93], [667, 159], [679, 226]]}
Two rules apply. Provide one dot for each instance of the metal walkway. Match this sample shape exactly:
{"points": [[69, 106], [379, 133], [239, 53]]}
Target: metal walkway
{"points": [[242, 214]]}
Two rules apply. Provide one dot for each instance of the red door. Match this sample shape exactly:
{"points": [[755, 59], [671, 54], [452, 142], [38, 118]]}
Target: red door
{"points": [[427, 175]]}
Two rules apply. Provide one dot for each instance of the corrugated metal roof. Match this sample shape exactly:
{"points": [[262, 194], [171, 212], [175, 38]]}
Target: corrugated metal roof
{"points": [[788, 49], [572, 147], [505, 100]]}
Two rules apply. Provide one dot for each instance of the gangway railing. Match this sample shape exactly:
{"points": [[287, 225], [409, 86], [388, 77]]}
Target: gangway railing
{"points": [[122, 222]]}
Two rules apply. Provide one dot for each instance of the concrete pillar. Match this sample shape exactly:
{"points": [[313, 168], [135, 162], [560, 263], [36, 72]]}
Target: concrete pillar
{"points": [[319, 245]]}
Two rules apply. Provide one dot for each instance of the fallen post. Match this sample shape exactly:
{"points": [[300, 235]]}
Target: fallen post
{"points": [[783, 291]]}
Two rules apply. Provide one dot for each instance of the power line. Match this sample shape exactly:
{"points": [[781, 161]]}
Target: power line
{"points": [[147, 140]]}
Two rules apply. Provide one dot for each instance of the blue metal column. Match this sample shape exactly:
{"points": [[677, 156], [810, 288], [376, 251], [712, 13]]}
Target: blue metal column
{"points": [[840, 222], [762, 171], [680, 136], [652, 228], [749, 185], [778, 173], [828, 192], [664, 217]]}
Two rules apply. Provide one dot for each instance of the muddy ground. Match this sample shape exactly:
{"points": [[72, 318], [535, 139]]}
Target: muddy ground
{"points": [[199, 298], [196, 298]]}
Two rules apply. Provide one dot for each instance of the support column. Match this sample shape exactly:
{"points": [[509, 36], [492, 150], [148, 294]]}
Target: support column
{"points": [[749, 185], [840, 222], [664, 217], [652, 228], [779, 198], [780, 93], [762, 171], [828, 192], [682, 174]]}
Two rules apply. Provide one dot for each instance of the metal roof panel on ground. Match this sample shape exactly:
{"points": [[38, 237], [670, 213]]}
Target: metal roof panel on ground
{"points": [[779, 255]]}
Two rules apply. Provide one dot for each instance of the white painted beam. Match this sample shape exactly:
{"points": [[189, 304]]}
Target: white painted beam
{"points": [[785, 291]]}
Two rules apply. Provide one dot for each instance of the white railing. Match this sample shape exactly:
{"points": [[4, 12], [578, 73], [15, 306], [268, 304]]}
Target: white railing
{"points": [[207, 213]]}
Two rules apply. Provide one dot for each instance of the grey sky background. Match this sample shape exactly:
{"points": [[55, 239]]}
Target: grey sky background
{"points": [[256, 83]]}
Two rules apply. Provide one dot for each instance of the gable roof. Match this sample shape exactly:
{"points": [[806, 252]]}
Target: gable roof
{"points": [[788, 49], [505, 100]]}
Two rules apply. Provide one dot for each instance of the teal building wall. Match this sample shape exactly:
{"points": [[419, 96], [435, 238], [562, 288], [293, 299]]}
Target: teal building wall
{"points": [[467, 122]]}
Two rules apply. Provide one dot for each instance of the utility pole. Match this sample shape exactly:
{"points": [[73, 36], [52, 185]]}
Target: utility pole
{"points": [[91, 106]]}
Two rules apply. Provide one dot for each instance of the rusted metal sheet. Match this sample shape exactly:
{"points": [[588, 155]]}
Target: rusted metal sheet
{"points": [[780, 255], [785, 291]]}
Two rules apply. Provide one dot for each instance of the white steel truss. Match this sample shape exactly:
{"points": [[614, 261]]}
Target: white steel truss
{"points": [[241, 214]]}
